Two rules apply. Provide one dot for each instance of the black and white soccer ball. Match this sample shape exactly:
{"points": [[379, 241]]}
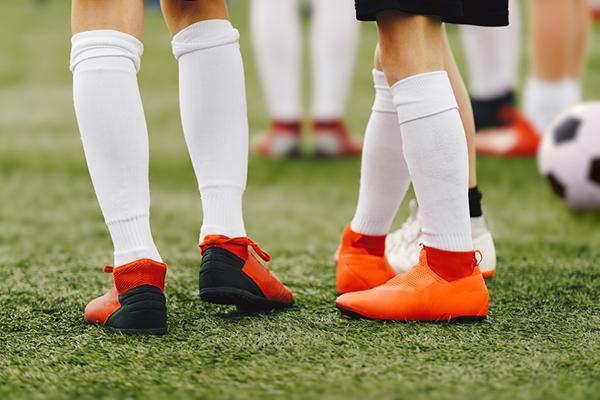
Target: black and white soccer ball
{"points": [[569, 156]]}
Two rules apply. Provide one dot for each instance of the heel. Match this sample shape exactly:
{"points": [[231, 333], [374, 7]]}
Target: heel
{"points": [[222, 269], [143, 311]]}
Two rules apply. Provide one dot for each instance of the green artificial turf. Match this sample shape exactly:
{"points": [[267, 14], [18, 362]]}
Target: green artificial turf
{"points": [[542, 338]]}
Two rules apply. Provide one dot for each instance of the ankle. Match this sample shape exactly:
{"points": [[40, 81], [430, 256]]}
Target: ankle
{"points": [[373, 244], [450, 265]]}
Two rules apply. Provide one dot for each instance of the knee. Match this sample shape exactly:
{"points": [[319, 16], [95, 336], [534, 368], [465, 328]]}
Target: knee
{"points": [[180, 14]]}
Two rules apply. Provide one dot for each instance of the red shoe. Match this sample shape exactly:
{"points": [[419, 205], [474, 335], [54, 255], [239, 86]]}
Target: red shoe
{"points": [[361, 262], [424, 295], [281, 140], [332, 139], [136, 303], [231, 274], [595, 11], [517, 139]]}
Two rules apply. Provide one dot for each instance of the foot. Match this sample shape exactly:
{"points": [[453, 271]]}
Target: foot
{"points": [[361, 262], [423, 295], [516, 139], [230, 274], [402, 247], [280, 141], [332, 139], [136, 303]]}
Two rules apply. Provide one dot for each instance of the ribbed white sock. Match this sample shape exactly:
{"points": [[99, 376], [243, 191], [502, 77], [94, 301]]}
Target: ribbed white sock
{"points": [[544, 100], [215, 124], [435, 150], [384, 176], [114, 135], [334, 38], [493, 56], [277, 42]]}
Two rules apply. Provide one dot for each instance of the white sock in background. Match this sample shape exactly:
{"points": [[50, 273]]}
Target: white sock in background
{"points": [[384, 177], [544, 100], [215, 124], [435, 150], [115, 139], [276, 38], [334, 38], [493, 56]]}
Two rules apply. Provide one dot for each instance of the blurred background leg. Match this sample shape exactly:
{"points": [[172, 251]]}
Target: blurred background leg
{"points": [[277, 43]]}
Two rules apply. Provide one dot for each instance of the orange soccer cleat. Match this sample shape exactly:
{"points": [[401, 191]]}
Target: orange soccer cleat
{"points": [[361, 262], [517, 139], [281, 140], [231, 274], [453, 290], [136, 303], [332, 139]]}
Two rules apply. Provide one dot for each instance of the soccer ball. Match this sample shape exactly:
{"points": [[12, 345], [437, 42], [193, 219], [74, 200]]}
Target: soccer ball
{"points": [[569, 156]]}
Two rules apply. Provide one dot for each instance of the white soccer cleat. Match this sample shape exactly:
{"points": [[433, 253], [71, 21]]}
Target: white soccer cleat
{"points": [[402, 247]]}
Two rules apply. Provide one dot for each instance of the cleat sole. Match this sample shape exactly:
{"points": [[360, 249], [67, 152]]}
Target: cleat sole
{"points": [[242, 299], [151, 331], [465, 319]]}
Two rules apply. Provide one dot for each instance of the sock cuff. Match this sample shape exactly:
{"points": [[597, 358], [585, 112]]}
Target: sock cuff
{"points": [[105, 43], [204, 35], [549, 89], [422, 95], [384, 101]]}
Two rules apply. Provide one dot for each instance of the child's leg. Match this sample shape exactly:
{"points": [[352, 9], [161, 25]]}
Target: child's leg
{"points": [[277, 43], [213, 108], [215, 125], [334, 39], [105, 59], [434, 140], [554, 84]]}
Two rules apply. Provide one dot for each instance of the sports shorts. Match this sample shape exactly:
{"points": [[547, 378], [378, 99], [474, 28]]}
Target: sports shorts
{"points": [[467, 12]]}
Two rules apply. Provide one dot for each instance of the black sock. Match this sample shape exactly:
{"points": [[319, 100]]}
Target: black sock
{"points": [[475, 202], [488, 112]]}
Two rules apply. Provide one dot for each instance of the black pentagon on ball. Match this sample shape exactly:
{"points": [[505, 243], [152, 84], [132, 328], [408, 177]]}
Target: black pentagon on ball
{"points": [[558, 188], [566, 130], [594, 174]]}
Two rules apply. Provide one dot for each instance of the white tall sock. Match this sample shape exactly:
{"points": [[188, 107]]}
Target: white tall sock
{"points": [[544, 100], [334, 39], [215, 124], [276, 38], [493, 56], [384, 176], [435, 150], [114, 135]]}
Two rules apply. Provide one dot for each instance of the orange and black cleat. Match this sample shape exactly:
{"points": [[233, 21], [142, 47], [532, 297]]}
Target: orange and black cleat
{"points": [[136, 303], [230, 274], [361, 262], [332, 139], [455, 291]]}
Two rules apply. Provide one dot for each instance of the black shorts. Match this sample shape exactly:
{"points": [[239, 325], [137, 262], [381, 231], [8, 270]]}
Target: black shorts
{"points": [[468, 12]]}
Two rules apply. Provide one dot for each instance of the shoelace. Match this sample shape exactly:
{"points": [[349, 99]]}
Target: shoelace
{"points": [[240, 241]]}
